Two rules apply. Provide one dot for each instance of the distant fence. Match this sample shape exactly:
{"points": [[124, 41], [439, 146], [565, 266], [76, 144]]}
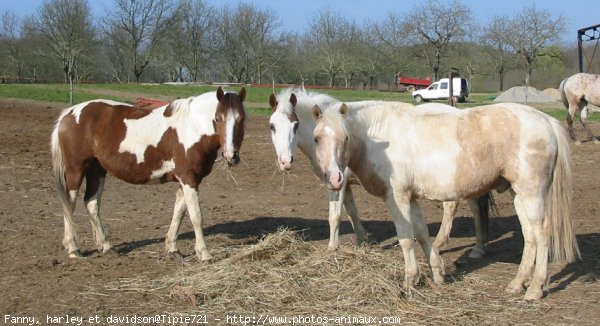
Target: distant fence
{"points": [[4, 79]]}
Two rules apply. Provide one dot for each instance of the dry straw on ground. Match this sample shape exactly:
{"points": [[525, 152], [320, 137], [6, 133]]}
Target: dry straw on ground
{"points": [[283, 275]]}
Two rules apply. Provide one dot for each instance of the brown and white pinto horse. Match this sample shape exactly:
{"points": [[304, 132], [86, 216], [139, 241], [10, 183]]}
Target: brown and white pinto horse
{"points": [[176, 142]]}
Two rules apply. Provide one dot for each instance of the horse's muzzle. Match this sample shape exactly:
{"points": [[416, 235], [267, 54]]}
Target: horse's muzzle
{"points": [[334, 180], [233, 160]]}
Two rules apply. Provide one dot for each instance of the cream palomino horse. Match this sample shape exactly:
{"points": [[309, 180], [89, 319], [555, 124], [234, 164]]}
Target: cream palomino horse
{"points": [[292, 125], [401, 154]]}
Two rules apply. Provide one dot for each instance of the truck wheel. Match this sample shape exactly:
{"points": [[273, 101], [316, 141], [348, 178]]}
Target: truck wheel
{"points": [[411, 89], [418, 99]]}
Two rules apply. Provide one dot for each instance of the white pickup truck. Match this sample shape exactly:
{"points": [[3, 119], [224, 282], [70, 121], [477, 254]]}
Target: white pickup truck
{"points": [[440, 90]]}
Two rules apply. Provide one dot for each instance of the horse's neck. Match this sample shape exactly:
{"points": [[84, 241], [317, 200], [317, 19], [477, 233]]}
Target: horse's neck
{"points": [[304, 136]]}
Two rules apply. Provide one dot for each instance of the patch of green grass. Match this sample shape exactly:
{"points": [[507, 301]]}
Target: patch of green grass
{"points": [[257, 96], [47, 93]]}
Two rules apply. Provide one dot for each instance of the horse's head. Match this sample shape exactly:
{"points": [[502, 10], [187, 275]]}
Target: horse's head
{"points": [[331, 144], [284, 123], [229, 124]]}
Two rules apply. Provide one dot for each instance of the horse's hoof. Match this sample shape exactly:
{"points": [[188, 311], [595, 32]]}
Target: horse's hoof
{"points": [[176, 255], [438, 278], [596, 141], [578, 143], [75, 254], [111, 252], [204, 257], [514, 289], [106, 247], [533, 295], [477, 253]]}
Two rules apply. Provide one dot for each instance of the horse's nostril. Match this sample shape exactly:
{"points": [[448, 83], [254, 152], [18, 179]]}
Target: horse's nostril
{"points": [[292, 160]]}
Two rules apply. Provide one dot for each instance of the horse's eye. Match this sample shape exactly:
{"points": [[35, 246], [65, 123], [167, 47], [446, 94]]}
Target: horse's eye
{"points": [[272, 127], [316, 140]]}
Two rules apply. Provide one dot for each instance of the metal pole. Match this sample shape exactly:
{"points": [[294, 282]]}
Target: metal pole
{"points": [[580, 49]]}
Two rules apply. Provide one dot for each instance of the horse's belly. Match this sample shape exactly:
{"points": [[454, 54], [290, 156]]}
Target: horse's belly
{"points": [[128, 170]]}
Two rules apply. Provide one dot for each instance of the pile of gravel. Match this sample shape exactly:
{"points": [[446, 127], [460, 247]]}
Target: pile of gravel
{"points": [[522, 94]]}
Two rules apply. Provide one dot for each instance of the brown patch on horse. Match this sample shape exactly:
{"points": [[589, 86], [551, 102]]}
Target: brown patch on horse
{"points": [[168, 110], [486, 136]]}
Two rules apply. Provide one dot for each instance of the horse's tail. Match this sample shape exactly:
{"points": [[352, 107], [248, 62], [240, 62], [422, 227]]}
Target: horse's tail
{"points": [[563, 242], [58, 164], [563, 96]]}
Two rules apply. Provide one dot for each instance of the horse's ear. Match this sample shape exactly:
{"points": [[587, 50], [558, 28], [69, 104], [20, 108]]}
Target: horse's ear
{"points": [[242, 94], [220, 94], [343, 109], [293, 100], [317, 113], [273, 102]]}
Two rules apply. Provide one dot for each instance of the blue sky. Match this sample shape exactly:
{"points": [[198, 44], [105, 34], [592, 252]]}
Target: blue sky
{"points": [[294, 15]]}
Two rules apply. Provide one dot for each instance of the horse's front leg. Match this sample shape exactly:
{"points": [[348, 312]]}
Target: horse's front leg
{"points": [[192, 202], [399, 206], [336, 198], [352, 211], [178, 211]]}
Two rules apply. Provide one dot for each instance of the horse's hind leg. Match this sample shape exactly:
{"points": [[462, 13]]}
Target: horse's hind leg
{"points": [[528, 209], [73, 179], [178, 211], [350, 207], [480, 209], [571, 110], [444, 233], [94, 180], [583, 119]]}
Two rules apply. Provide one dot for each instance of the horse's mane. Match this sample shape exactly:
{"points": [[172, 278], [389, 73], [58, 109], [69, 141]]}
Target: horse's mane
{"points": [[182, 108], [335, 120], [305, 100]]}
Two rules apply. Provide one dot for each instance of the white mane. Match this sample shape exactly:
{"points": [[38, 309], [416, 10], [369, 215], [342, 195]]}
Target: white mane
{"points": [[305, 102], [203, 104]]}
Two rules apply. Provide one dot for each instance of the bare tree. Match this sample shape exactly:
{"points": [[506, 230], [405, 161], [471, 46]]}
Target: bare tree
{"points": [[496, 38], [193, 41], [531, 30], [135, 29], [333, 40], [247, 42], [11, 42], [389, 39], [66, 26], [437, 24]]}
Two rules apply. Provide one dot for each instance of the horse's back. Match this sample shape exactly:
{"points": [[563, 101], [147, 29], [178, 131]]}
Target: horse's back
{"points": [[449, 152], [583, 86]]}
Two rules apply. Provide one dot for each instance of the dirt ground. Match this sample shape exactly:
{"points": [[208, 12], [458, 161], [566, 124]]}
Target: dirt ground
{"points": [[38, 280]]}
